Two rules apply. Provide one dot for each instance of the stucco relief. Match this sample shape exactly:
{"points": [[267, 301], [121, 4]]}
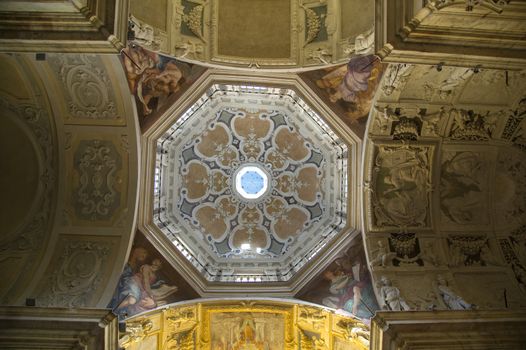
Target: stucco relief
{"points": [[40, 129], [23, 238], [472, 250], [510, 185], [96, 196], [401, 177], [468, 125], [463, 188], [407, 123], [77, 274], [87, 87], [395, 78]]}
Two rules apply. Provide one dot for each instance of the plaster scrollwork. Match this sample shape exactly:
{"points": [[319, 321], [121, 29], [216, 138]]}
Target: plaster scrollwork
{"points": [[86, 85], [514, 251], [401, 175], [468, 125], [97, 163], [77, 276], [145, 35], [40, 129], [515, 123], [449, 87], [189, 49], [511, 179], [470, 251], [407, 124], [321, 54], [396, 77]]}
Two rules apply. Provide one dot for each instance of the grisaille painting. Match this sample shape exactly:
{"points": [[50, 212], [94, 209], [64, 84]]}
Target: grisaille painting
{"points": [[345, 284], [348, 89], [247, 331], [147, 281]]}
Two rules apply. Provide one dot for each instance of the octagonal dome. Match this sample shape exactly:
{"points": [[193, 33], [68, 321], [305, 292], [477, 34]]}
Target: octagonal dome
{"points": [[250, 185]]}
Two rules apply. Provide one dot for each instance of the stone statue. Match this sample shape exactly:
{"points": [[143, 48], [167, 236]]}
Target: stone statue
{"points": [[391, 299], [382, 256], [449, 299]]}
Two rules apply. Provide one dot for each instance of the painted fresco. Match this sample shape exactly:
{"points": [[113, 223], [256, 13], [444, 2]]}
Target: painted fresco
{"points": [[247, 330], [147, 281], [156, 80], [348, 89], [345, 284]]}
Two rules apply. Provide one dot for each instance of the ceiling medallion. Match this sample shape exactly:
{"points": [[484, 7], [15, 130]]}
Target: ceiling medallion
{"points": [[250, 184]]}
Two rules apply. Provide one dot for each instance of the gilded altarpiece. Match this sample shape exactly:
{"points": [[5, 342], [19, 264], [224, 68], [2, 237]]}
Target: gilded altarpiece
{"points": [[241, 324]]}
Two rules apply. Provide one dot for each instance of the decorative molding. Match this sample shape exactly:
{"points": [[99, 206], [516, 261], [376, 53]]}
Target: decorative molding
{"points": [[30, 327], [432, 36], [87, 87], [98, 26], [448, 330], [78, 273], [96, 197]]}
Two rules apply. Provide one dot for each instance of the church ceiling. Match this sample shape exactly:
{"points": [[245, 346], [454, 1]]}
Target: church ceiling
{"points": [[71, 184], [486, 33], [445, 191], [255, 33], [250, 183]]}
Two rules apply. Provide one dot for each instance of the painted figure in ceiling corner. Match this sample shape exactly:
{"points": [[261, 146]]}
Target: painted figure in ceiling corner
{"points": [[140, 288], [150, 76], [352, 86], [350, 290]]}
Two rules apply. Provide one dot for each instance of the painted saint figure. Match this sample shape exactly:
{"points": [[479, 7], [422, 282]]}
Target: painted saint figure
{"points": [[350, 292], [139, 288]]}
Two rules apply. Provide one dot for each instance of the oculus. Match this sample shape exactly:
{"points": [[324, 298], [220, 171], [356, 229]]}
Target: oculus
{"points": [[251, 182]]}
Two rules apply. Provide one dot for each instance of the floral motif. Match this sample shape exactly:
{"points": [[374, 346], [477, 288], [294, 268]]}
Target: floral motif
{"points": [[87, 86], [208, 198], [96, 197]]}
